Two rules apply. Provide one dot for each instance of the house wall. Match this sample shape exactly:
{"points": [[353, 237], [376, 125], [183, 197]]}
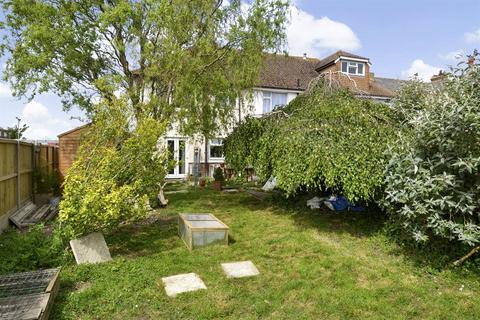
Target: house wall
{"points": [[253, 107], [361, 83]]}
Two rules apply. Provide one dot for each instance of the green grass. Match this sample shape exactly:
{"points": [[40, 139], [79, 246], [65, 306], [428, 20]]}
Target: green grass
{"points": [[313, 264]]}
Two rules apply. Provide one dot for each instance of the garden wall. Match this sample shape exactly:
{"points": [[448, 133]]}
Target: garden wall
{"points": [[17, 163]]}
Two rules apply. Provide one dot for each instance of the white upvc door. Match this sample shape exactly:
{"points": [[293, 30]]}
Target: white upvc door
{"points": [[177, 148]]}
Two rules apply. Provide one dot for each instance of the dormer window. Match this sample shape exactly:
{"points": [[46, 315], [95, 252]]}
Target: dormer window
{"points": [[353, 68]]}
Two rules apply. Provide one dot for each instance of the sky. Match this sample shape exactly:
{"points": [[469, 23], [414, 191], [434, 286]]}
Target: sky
{"points": [[401, 38]]}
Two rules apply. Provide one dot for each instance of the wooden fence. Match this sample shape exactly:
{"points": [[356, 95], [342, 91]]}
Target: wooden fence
{"points": [[18, 161]]}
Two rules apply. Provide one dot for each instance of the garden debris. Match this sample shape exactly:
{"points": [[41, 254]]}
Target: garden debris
{"points": [[183, 283], [315, 202], [90, 249], [31, 214], [231, 190], [340, 203], [270, 184], [28, 295], [240, 269]]}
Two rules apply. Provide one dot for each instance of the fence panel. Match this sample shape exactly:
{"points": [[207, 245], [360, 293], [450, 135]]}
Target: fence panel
{"points": [[18, 162]]}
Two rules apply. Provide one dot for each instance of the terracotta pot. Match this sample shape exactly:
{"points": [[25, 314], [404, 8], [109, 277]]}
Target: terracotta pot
{"points": [[202, 183], [217, 185]]}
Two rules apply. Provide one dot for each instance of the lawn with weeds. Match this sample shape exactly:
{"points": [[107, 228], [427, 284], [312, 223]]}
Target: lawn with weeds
{"points": [[313, 265]]}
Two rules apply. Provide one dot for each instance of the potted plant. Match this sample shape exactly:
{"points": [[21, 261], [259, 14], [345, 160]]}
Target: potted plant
{"points": [[218, 178], [202, 182]]}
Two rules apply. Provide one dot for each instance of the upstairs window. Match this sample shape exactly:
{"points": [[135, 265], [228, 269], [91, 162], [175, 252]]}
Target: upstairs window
{"points": [[353, 68], [271, 100], [216, 149]]}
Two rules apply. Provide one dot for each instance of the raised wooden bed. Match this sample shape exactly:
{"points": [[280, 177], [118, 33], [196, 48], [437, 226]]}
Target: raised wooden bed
{"points": [[198, 230]]}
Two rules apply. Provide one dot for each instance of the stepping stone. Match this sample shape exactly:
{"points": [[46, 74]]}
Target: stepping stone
{"points": [[182, 283], [90, 249], [240, 269]]}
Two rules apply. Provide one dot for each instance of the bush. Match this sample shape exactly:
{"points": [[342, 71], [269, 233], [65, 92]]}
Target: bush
{"points": [[323, 140], [117, 172], [218, 174], [31, 250], [433, 182]]}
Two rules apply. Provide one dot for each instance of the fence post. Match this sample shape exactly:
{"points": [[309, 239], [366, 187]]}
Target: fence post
{"points": [[18, 174]]}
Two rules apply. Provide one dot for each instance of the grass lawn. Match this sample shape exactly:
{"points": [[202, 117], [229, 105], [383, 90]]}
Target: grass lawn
{"points": [[313, 264]]}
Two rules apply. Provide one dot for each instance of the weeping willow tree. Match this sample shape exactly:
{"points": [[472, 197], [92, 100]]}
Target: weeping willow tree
{"points": [[325, 139], [174, 59]]}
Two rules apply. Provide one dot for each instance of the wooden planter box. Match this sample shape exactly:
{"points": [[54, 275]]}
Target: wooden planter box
{"points": [[198, 230]]}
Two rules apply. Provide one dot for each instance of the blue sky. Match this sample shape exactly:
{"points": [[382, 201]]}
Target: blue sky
{"points": [[400, 38]]}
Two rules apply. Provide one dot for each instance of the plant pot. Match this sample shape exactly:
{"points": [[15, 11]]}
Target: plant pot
{"points": [[202, 183], [217, 185]]}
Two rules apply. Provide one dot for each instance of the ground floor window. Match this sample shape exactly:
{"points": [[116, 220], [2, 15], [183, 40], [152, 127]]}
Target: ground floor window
{"points": [[216, 149]]}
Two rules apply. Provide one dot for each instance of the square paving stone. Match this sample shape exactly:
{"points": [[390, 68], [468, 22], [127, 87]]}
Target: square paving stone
{"points": [[240, 269], [90, 249], [182, 283]]}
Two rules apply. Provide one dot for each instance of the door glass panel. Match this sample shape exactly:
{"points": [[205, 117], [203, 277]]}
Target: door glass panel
{"points": [[171, 151], [181, 157]]}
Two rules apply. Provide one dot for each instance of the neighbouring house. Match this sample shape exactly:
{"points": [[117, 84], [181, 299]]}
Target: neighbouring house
{"points": [[281, 79], [3, 133]]}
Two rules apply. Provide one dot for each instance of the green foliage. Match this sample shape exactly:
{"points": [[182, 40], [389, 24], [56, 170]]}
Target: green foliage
{"points": [[16, 132], [218, 174], [321, 140], [188, 60], [118, 169], [410, 99], [433, 181], [46, 182], [30, 250]]}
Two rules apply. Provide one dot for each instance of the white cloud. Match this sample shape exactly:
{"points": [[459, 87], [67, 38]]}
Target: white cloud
{"points": [[424, 71], [307, 34], [41, 124], [472, 37], [453, 56], [5, 91]]}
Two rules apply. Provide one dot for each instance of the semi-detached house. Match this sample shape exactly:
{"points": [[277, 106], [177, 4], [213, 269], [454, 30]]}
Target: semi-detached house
{"points": [[281, 79]]}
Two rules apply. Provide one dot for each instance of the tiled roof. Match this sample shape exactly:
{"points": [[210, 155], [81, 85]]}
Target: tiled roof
{"points": [[331, 58], [390, 84], [287, 72]]}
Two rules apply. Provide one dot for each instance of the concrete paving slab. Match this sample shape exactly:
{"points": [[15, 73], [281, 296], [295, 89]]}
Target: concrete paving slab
{"points": [[240, 269], [181, 283], [90, 249]]}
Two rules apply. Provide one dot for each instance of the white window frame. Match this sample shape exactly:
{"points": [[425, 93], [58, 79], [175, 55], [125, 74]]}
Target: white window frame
{"points": [[268, 95], [352, 64], [210, 144]]}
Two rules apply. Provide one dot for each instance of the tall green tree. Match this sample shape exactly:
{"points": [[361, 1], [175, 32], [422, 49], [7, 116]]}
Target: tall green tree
{"points": [[172, 58]]}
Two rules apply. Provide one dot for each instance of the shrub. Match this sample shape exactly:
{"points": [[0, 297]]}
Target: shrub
{"points": [[117, 171], [433, 181], [323, 140], [218, 174], [28, 251]]}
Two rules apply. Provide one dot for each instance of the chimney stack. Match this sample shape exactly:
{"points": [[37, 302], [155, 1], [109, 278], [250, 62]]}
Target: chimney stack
{"points": [[437, 78], [471, 61], [305, 56]]}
